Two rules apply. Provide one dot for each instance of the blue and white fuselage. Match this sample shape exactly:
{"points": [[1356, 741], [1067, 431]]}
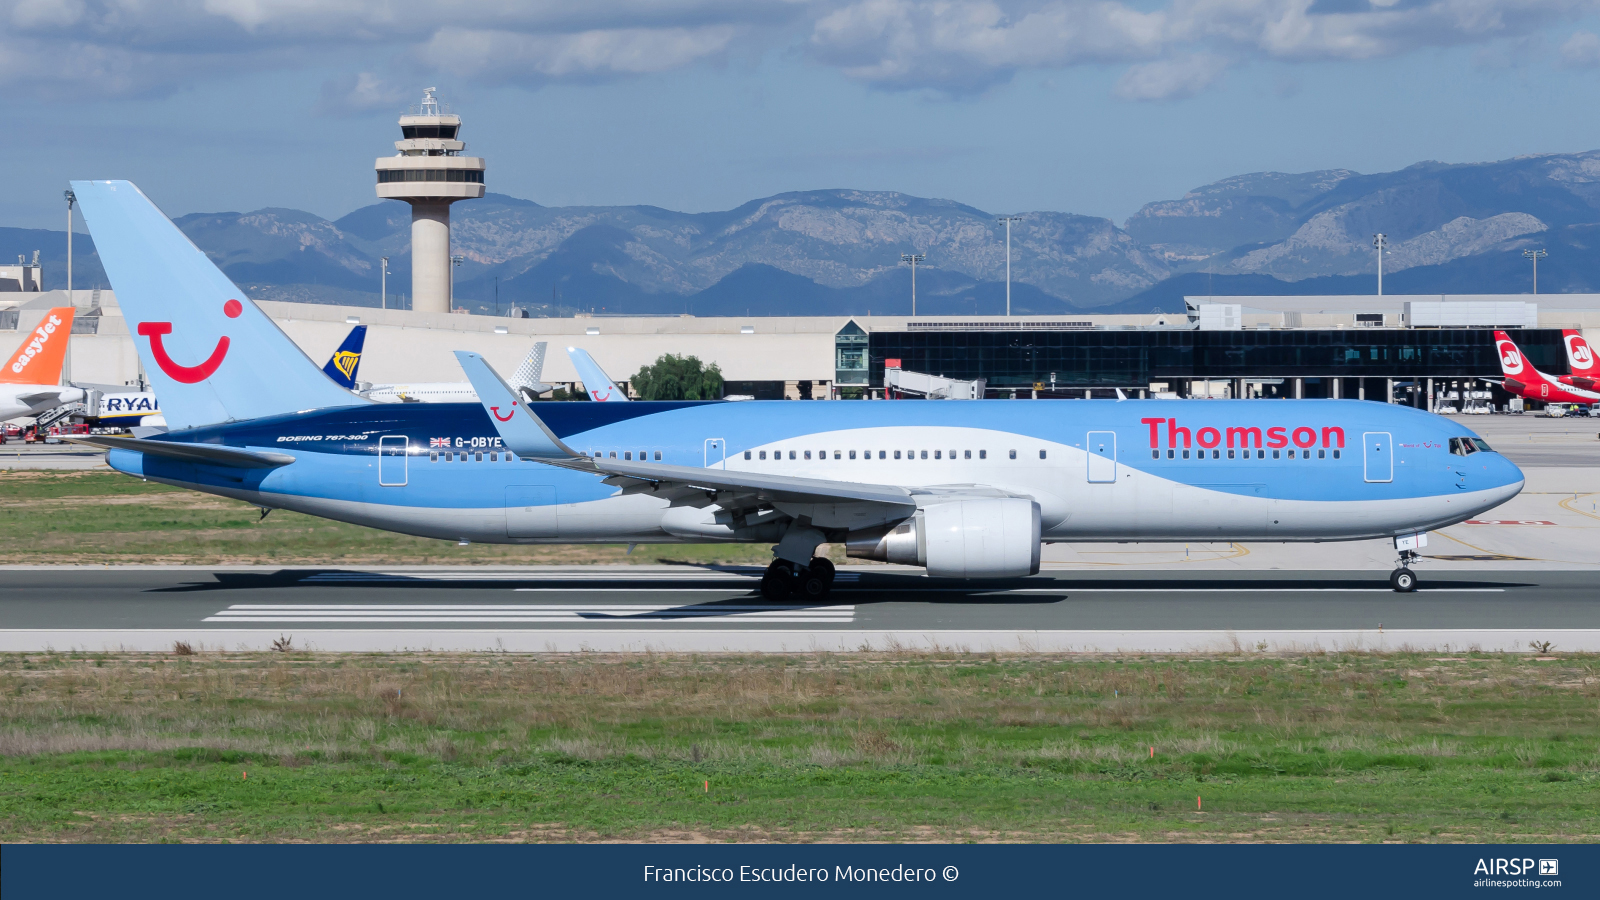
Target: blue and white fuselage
{"points": [[1099, 470]]}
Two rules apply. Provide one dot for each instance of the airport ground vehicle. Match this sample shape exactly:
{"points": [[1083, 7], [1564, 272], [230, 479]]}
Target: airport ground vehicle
{"points": [[964, 489]]}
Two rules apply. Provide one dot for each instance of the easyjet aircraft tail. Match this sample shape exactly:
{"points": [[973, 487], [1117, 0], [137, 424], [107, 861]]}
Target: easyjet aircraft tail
{"points": [[212, 355], [38, 360]]}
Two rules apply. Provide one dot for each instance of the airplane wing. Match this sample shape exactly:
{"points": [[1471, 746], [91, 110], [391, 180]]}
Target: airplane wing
{"points": [[595, 381], [528, 437], [208, 454]]}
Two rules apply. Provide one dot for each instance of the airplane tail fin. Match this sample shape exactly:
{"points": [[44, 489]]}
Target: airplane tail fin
{"points": [[1512, 363], [1580, 356], [527, 377], [38, 360], [346, 360], [212, 354], [595, 381], [519, 428]]}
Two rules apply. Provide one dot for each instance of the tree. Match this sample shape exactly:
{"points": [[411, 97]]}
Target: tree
{"points": [[674, 377]]}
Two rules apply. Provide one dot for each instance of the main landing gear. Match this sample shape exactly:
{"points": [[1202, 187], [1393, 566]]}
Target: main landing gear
{"points": [[783, 581], [1403, 580]]}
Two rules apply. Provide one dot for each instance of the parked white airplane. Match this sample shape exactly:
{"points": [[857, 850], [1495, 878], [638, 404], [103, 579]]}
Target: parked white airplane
{"points": [[525, 380], [30, 381]]}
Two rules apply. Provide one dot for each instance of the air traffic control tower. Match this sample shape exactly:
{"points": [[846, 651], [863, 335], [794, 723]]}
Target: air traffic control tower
{"points": [[429, 172]]}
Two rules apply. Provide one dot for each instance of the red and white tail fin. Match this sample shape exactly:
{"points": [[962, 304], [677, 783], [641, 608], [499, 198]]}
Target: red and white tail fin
{"points": [[1580, 356], [1512, 363]]}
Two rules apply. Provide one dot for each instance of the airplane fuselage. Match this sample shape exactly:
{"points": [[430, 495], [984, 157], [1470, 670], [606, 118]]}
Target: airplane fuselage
{"points": [[1153, 470]]}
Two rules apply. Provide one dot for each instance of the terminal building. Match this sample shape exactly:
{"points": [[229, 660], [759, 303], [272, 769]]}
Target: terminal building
{"points": [[1403, 349]]}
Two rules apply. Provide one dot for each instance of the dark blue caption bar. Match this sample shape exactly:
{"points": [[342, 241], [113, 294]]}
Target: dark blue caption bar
{"points": [[302, 872]]}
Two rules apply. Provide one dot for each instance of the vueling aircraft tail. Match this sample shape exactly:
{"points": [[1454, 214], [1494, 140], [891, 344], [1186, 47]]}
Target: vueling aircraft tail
{"points": [[595, 381], [38, 360], [346, 360], [212, 354]]}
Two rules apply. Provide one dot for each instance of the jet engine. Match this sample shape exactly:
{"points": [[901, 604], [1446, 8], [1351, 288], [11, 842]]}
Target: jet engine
{"points": [[996, 538]]}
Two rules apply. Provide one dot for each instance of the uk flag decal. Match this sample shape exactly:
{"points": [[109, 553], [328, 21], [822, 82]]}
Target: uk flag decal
{"points": [[438, 442]]}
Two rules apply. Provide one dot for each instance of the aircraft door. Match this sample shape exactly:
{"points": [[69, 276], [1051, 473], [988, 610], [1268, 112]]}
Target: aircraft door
{"points": [[1102, 449], [530, 510], [1377, 452], [716, 453], [392, 460]]}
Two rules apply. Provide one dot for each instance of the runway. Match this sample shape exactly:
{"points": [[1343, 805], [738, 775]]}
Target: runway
{"points": [[709, 610]]}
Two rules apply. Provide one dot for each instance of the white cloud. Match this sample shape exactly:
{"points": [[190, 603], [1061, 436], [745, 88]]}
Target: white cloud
{"points": [[1170, 79], [1581, 51], [128, 47], [359, 93]]}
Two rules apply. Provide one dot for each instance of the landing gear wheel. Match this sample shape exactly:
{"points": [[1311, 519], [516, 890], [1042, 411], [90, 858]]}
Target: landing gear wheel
{"points": [[813, 586], [823, 568], [1403, 580], [778, 583]]}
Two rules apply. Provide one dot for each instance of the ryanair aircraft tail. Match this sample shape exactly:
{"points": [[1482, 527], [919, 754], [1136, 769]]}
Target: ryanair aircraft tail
{"points": [[212, 354], [346, 360]]}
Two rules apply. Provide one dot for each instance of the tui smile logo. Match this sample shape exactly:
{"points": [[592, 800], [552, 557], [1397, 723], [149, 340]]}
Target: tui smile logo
{"points": [[188, 374], [507, 416]]}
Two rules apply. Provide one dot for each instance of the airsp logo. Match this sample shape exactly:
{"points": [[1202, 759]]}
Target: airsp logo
{"points": [[1549, 867]]}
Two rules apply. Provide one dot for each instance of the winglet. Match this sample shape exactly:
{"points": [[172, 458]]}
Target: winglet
{"points": [[519, 427], [595, 381]]}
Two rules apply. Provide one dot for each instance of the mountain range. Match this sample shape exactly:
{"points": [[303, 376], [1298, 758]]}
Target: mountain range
{"points": [[1451, 228]]}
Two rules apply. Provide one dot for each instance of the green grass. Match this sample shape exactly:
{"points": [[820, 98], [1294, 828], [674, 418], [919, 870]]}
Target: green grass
{"points": [[817, 747], [108, 518]]}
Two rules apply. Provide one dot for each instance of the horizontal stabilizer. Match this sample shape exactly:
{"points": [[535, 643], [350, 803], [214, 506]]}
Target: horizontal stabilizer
{"points": [[205, 454]]}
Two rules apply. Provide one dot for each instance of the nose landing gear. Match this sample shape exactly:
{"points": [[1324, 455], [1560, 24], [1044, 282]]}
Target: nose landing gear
{"points": [[1402, 579]]}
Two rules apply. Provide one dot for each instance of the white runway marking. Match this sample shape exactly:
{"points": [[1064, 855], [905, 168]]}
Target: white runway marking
{"points": [[584, 613], [562, 577], [1168, 590]]}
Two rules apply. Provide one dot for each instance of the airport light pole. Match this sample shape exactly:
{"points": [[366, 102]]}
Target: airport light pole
{"points": [[1534, 255], [913, 258], [71, 199], [455, 263], [1008, 220], [384, 273], [1380, 241]]}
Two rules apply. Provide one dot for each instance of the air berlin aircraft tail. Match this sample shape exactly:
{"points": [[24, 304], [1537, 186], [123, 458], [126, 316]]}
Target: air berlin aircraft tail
{"points": [[211, 354], [1523, 380], [1580, 361], [38, 360]]}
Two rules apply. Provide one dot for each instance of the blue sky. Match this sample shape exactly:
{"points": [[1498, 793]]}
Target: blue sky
{"points": [[1089, 107]]}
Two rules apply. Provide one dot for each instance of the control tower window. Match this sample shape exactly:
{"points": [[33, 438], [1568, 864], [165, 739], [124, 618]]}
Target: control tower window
{"points": [[469, 176], [413, 132]]}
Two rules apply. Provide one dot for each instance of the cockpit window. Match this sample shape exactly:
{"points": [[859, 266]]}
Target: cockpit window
{"points": [[1483, 444], [1462, 446]]}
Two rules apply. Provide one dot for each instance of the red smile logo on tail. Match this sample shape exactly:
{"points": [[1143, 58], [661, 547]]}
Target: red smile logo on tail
{"points": [[187, 374], [507, 416]]}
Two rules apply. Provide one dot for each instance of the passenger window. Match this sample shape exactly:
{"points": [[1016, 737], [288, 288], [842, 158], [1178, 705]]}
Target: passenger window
{"points": [[808, 454], [924, 454], [1014, 454], [1275, 453], [897, 454], [1335, 454], [1291, 454], [494, 457], [1041, 454], [791, 454], [1155, 454], [1185, 454], [1262, 454], [852, 454], [1216, 454], [628, 454], [643, 456], [936, 454], [478, 457], [983, 454], [966, 454], [658, 455], [1230, 454], [952, 455], [763, 454], [434, 456], [613, 454], [836, 455], [1322, 454], [1171, 454], [747, 454]]}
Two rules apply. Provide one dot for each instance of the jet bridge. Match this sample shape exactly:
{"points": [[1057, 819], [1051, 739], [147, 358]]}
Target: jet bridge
{"points": [[932, 387]]}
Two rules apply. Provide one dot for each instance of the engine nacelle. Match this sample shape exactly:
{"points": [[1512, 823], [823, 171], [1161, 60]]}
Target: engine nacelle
{"points": [[961, 539]]}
